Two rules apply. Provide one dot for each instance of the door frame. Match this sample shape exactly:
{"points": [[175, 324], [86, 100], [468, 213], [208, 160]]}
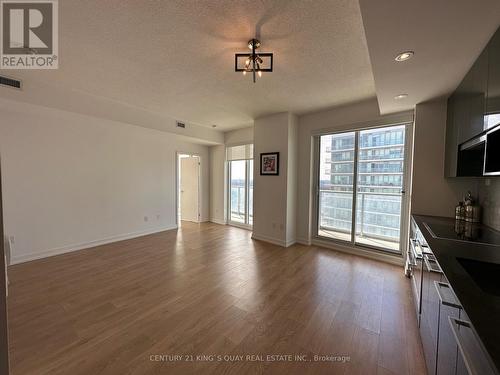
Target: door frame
{"points": [[178, 184], [405, 207], [4, 328], [228, 188]]}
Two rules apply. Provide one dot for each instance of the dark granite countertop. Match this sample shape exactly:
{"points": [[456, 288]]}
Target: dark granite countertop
{"points": [[479, 302]]}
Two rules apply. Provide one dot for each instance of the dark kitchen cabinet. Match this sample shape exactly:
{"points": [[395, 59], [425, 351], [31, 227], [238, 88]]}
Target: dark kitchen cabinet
{"points": [[429, 317], [451, 145], [473, 108], [471, 358], [493, 97], [471, 99], [447, 348]]}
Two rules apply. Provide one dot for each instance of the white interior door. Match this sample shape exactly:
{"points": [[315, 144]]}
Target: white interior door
{"points": [[189, 185]]}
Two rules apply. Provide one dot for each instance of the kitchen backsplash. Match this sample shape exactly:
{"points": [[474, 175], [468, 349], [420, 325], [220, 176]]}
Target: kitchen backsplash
{"points": [[489, 199]]}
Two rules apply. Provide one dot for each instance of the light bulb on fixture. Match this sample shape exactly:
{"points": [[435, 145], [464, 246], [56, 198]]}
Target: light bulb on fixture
{"points": [[253, 61]]}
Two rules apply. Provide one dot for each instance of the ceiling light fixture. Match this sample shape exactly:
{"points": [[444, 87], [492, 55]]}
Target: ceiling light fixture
{"points": [[253, 63], [401, 96], [403, 56]]}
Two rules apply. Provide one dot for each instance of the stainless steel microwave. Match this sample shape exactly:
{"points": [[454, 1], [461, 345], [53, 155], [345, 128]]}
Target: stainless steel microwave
{"points": [[492, 153], [480, 156]]}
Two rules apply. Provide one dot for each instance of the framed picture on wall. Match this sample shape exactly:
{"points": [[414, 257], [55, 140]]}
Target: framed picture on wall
{"points": [[270, 164]]}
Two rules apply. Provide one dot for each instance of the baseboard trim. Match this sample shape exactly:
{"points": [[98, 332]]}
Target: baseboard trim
{"points": [[274, 241], [387, 258], [85, 245], [217, 221], [303, 241]]}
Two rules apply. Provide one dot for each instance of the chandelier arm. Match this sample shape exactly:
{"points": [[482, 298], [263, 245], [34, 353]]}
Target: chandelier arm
{"points": [[253, 61]]}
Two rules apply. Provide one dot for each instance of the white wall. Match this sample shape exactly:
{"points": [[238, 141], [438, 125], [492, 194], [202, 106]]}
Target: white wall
{"points": [[432, 193], [70, 180], [239, 136], [218, 190], [77, 101], [218, 173], [272, 194], [353, 116]]}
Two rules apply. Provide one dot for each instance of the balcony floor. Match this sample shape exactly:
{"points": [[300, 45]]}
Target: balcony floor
{"points": [[367, 241]]}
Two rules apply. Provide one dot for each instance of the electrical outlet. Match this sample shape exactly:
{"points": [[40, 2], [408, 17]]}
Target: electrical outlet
{"points": [[487, 182], [146, 218]]}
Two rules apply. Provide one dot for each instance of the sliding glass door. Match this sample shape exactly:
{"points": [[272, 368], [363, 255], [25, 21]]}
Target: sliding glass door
{"points": [[238, 191], [361, 187], [336, 185], [240, 185]]}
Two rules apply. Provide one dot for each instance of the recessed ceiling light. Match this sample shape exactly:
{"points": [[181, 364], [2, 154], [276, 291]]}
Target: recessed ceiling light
{"points": [[403, 56], [401, 96]]}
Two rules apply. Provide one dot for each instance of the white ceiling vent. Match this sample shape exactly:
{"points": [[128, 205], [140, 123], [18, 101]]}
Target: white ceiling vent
{"points": [[181, 125], [10, 82]]}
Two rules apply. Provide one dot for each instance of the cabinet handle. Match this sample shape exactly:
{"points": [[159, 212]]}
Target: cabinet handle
{"points": [[450, 299], [433, 268], [475, 366], [421, 247]]}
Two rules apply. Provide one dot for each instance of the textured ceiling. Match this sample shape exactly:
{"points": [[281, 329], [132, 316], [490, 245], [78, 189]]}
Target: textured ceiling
{"points": [[446, 35], [176, 57]]}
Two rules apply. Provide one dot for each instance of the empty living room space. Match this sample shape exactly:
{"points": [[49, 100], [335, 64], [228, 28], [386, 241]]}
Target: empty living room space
{"points": [[233, 187]]}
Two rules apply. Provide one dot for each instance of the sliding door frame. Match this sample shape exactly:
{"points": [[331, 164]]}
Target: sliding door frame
{"points": [[406, 196]]}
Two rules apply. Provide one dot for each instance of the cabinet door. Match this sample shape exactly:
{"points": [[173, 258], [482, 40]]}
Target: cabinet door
{"points": [[461, 368], [451, 146], [429, 319], [425, 331], [471, 103], [471, 357], [447, 346], [493, 98]]}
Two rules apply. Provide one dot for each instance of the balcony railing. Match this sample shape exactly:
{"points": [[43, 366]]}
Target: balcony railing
{"points": [[238, 203], [372, 220]]}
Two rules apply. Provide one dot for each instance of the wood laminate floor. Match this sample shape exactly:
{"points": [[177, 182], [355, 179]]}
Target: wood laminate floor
{"points": [[206, 291]]}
